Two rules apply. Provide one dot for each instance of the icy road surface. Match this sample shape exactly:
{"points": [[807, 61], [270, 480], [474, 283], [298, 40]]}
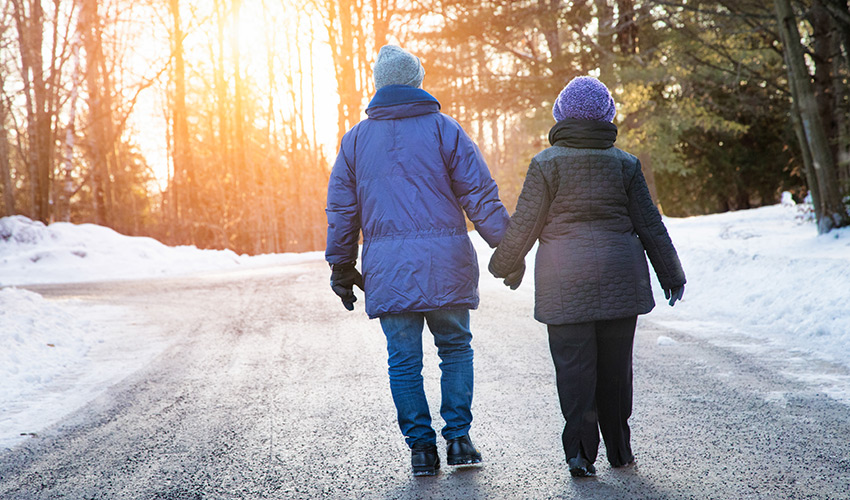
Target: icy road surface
{"points": [[270, 389]]}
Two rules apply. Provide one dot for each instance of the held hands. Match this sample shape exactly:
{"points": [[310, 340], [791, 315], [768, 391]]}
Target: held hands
{"points": [[343, 279], [514, 278], [674, 294]]}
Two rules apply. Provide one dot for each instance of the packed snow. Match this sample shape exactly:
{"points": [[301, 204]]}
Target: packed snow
{"points": [[762, 274]]}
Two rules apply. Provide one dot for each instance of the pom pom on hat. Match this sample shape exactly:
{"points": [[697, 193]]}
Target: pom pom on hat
{"points": [[396, 66], [585, 98]]}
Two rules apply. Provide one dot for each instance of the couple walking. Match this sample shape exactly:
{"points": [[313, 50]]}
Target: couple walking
{"points": [[405, 177]]}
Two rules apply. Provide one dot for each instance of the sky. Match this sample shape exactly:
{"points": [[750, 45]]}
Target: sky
{"points": [[759, 280]]}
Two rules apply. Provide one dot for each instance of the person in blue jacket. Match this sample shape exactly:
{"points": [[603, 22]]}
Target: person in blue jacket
{"points": [[405, 176]]}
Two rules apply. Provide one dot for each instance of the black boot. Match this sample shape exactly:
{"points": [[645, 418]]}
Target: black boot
{"points": [[581, 467], [461, 451], [424, 459]]}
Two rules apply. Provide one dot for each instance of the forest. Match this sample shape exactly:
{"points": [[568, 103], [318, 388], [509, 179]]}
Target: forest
{"points": [[214, 123]]}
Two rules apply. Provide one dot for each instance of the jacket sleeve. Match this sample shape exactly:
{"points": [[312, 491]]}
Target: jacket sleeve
{"points": [[342, 210], [473, 186], [652, 233], [532, 210]]}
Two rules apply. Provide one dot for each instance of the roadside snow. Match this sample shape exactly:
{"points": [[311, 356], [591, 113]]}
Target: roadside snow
{"points": [[32, 253], [760, 273], [764, 272], [59, 354]]}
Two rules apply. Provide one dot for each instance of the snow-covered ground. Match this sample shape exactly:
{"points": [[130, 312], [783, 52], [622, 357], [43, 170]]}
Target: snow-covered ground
{"points": [[762, 274], [57, 355]]}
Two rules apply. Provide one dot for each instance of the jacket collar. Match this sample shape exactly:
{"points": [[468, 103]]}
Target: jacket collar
{"points": [[591, 134], [401, 101]]}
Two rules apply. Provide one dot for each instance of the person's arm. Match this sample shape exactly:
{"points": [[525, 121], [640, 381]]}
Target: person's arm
{"points": [[343, 229], [472, 184], [653, 234], [342, 211], [527, 222]]}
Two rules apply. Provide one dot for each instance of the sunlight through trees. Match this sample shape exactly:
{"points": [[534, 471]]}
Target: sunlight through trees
{"points": [[214, 122]]}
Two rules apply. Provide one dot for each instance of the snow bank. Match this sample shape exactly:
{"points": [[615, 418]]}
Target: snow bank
{"points": [[32, 253], [767, 273], [59, 354], [40, 340]]}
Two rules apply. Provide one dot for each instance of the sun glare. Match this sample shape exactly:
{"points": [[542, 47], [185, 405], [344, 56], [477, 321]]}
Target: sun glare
{"points": [[283, 53]]}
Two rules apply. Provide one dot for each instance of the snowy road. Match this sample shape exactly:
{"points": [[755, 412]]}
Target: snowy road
{"points": [[270, 389]]}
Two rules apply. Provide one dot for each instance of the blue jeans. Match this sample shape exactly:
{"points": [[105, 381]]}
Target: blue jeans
{"points": [[404, 346]]}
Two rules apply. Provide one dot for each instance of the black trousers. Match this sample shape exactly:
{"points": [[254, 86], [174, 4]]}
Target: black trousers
{"points": [[593, 366]]}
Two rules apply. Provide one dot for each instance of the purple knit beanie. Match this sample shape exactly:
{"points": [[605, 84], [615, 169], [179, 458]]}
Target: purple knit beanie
{"points": [[585, 98]]}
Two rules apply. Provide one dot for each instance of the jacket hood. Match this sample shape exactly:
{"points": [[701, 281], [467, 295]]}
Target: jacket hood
{"points": [[401, 101], [591, 134]]}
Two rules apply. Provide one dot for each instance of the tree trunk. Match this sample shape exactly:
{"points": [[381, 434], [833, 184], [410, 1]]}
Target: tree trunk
{"points": [[97, 138], [341, 41], [549, 26], [808, 167], [110, 147], [382, 12], [249, 192], [627, 28], [224, 134], [833, 214], [605, 39], [822, 53], [840, 12], [44, 130], [30, 40], [839, 16], [64, 208], [5, 164], [180, 127], [841, 115]]}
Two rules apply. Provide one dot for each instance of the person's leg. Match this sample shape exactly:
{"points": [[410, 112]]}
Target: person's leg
{"points": [[615, 339], [573, 348], [452, 338], [404, 348]]}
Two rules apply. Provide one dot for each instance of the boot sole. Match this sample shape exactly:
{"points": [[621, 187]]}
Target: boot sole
{"points": [[425, 471], [464, 461], [583, 472]]}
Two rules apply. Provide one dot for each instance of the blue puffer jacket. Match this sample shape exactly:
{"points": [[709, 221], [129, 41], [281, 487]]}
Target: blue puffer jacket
{"points": [[405, 176]]}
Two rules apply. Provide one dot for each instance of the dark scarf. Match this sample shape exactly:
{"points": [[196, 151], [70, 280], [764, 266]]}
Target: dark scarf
{"points": [[590, 134]]}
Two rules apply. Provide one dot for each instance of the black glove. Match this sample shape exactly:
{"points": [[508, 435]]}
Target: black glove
{"points": [[674, 294], [514, 278], [343, 279]]}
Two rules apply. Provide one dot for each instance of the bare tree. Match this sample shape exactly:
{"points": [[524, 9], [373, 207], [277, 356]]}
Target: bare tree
{"points": [[346, 40], [67, 190], [5, 164], [29, 20], [180, 207]]}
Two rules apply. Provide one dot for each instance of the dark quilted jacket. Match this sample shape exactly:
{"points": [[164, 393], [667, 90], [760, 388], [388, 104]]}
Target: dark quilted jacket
{"points": [[588, 205]]}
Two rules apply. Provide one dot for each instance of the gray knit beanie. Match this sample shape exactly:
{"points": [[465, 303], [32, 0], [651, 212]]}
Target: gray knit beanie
{"points": [[585, 98], [396, 66]]}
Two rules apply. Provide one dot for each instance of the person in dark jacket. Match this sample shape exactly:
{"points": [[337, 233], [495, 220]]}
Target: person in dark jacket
{"points": [[587, 204], [405, 176]]}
